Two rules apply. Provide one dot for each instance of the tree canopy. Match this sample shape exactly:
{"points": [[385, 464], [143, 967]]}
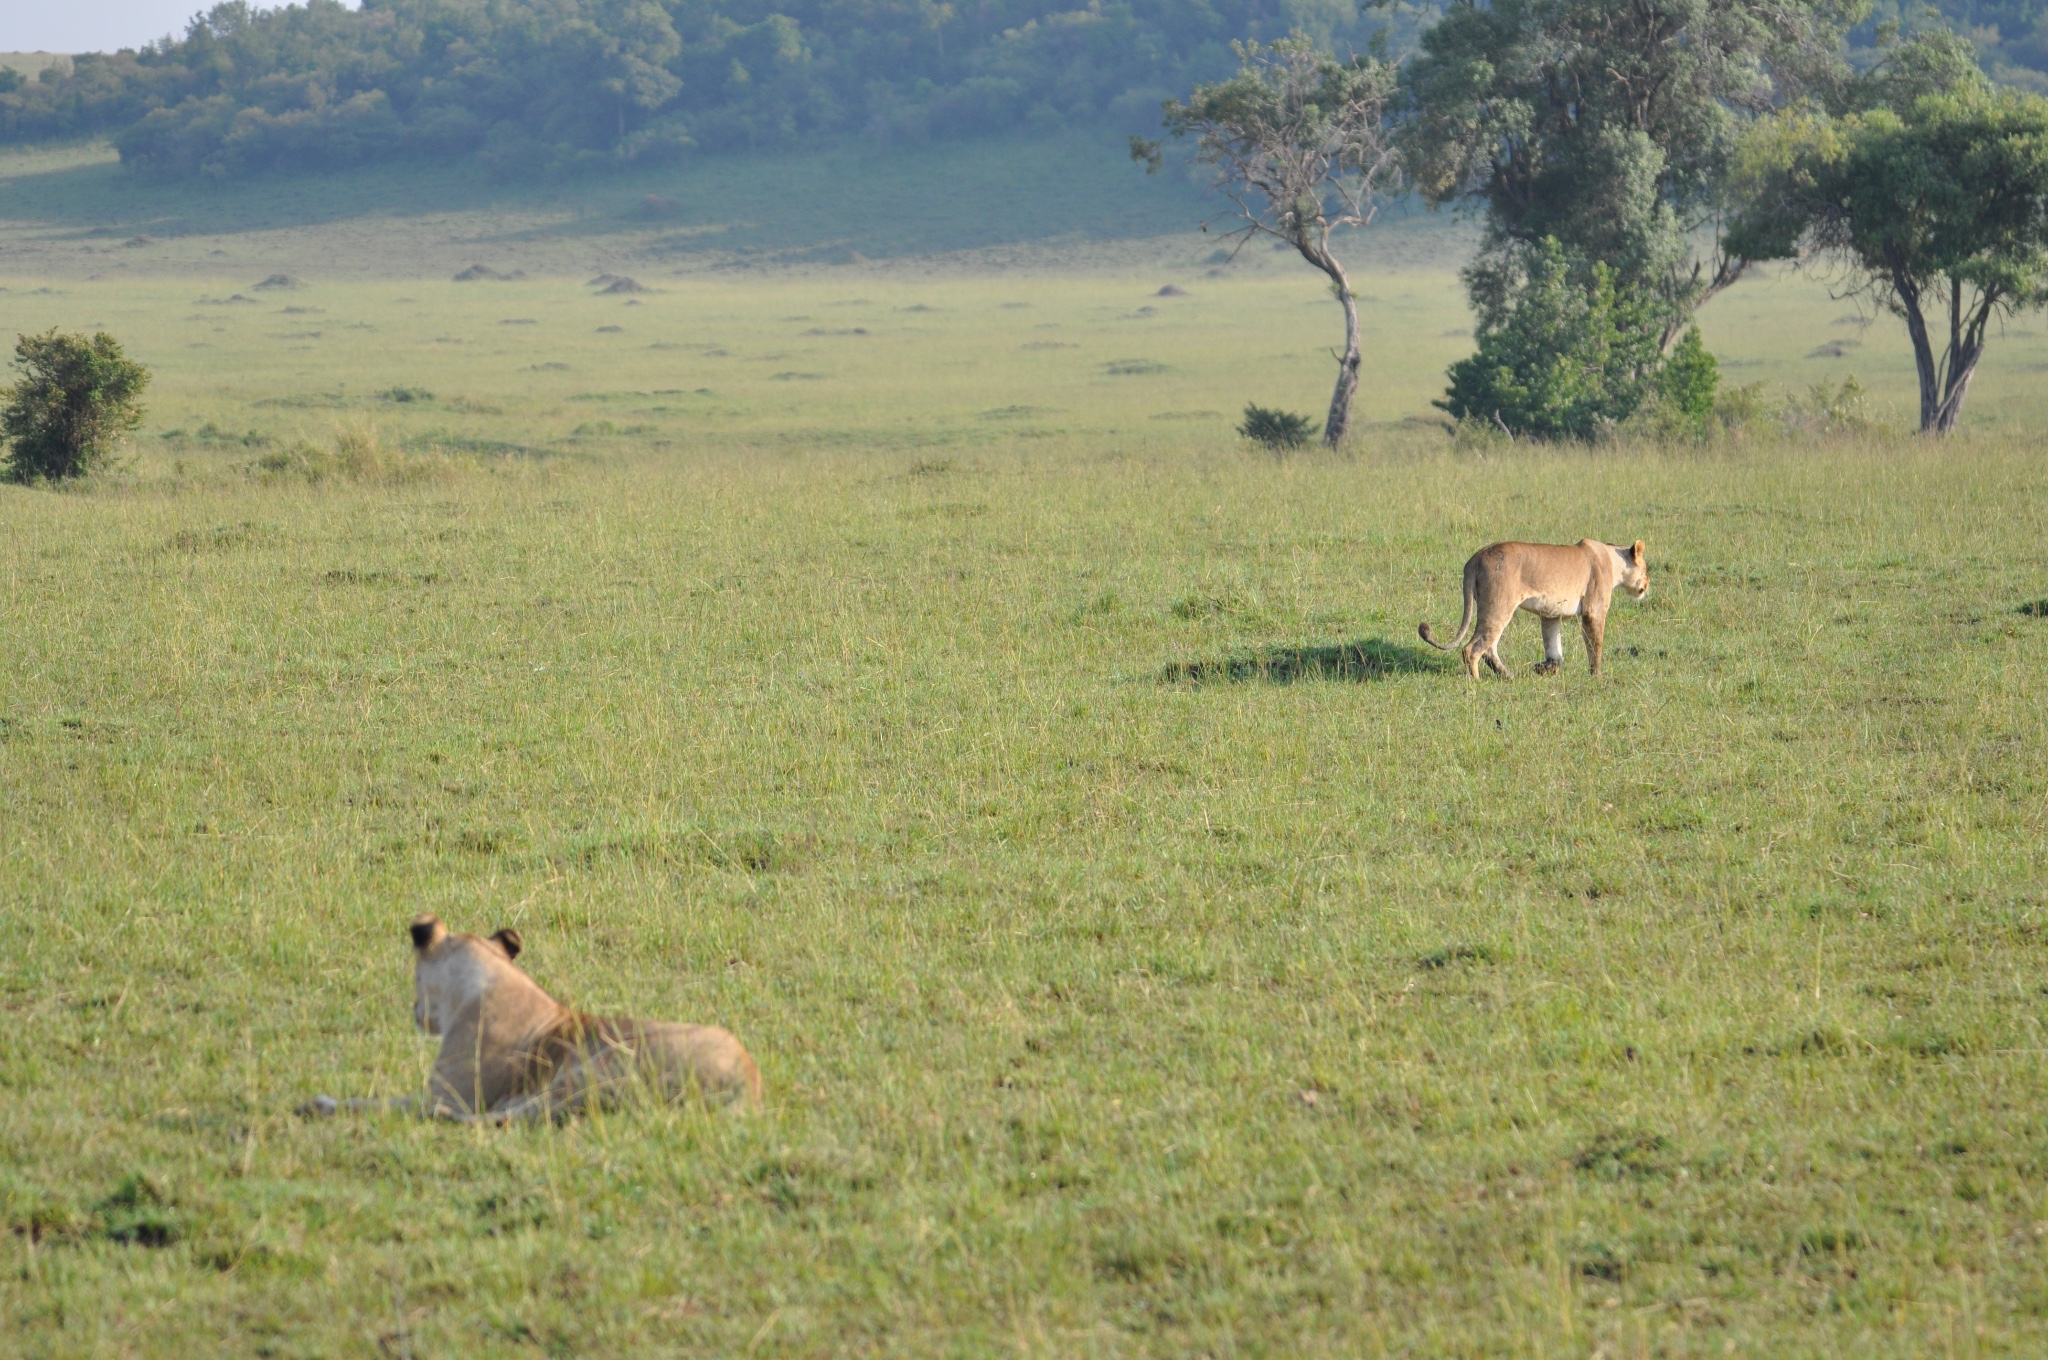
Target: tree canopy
{"points": [[1932, 192], [2009, 37], [1605, 125], [556, 83]]}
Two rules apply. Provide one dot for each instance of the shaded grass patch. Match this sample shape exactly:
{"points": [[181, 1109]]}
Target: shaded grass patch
{"points": [[1358, 660]]}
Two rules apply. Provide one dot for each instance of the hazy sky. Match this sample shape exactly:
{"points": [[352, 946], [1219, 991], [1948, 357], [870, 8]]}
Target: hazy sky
{"points": [[93, 25]]}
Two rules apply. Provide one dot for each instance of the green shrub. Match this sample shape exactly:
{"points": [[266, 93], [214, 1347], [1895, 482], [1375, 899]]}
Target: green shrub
{"points": [[76, 398], [1740, 409], [1276, 429], [1688, 380], [1828, 409], [1682, 402], [1573, 354]]}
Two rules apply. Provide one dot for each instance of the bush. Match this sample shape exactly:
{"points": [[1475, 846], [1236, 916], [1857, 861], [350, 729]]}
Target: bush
{"points": [[1276, 429], [1573, 354], [1828, 410], [76, 398], [1740, 409]]}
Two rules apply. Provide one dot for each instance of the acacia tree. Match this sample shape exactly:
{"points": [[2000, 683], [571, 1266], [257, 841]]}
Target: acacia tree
{"points": [[1606, 124], [1303, 146], [1934, 201]]}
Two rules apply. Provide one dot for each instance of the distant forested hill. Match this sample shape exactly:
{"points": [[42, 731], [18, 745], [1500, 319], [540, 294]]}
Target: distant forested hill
{"points": [[531, 85], [2011, 35], [537, 85]]}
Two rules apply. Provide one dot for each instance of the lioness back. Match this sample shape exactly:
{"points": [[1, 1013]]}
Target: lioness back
{"points": [[704, 1056], [1531, 566]]}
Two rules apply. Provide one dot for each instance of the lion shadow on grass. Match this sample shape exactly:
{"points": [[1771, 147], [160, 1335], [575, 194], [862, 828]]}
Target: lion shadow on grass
{"points": [[1360, 659]]}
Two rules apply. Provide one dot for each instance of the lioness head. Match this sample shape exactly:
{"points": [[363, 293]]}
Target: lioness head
{"points": [[1636, 579], [450, 970]]}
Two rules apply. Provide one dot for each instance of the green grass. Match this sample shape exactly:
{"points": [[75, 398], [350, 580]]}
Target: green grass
{"points": [[1150, 949], [1697, 1006], [859, 359]]}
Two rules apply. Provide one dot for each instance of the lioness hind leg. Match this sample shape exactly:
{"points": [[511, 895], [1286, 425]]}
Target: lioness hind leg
{"points": [[1486, 646], [1594, 626], [1495, 614], [593, 1080], [1492, 657]]}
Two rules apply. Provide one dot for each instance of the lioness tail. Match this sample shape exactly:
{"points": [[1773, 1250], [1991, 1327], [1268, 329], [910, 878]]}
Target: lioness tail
{"points": [[1465, 624]]}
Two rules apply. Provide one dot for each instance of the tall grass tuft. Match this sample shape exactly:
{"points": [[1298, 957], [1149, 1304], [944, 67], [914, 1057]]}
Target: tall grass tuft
{"points": [[358, 454]]}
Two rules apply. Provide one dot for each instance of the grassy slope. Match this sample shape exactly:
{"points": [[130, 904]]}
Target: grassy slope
{"points": [[407, 220], [1692, 1010], [868, 356]]}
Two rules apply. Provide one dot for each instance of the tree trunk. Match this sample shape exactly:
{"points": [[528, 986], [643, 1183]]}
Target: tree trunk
{"points": [[1951, 410], [1965, 348], [1339, 423], [1923, 349], [1726, 275]]}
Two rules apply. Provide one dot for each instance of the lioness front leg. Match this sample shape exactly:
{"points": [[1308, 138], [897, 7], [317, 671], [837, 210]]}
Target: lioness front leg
{"points": [[1553, 647], [567, 1094], [326, 1106], [1594, 626], [529, 1109]]}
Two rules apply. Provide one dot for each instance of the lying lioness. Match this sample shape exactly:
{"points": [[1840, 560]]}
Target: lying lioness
{"points": [[1551, 581], [510, 1051]]}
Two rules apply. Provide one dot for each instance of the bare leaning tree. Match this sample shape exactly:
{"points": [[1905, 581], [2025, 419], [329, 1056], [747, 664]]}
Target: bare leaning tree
{"points": [[1303, 145]]}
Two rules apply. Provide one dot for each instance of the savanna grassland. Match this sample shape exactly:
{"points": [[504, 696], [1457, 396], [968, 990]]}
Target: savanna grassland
{"points": [[1150, 949]]}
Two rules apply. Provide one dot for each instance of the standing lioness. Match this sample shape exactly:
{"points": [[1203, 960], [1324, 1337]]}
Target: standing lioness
{"points": [[1551, 581], [511, 1051]]}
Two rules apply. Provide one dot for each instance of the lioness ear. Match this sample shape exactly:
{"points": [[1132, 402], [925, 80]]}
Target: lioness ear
{"points": [[1637, 551], [427, 931], [509, 941]]}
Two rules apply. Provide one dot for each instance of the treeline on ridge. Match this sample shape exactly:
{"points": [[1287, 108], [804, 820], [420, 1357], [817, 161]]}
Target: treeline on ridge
{"points": [[553, 84]]}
